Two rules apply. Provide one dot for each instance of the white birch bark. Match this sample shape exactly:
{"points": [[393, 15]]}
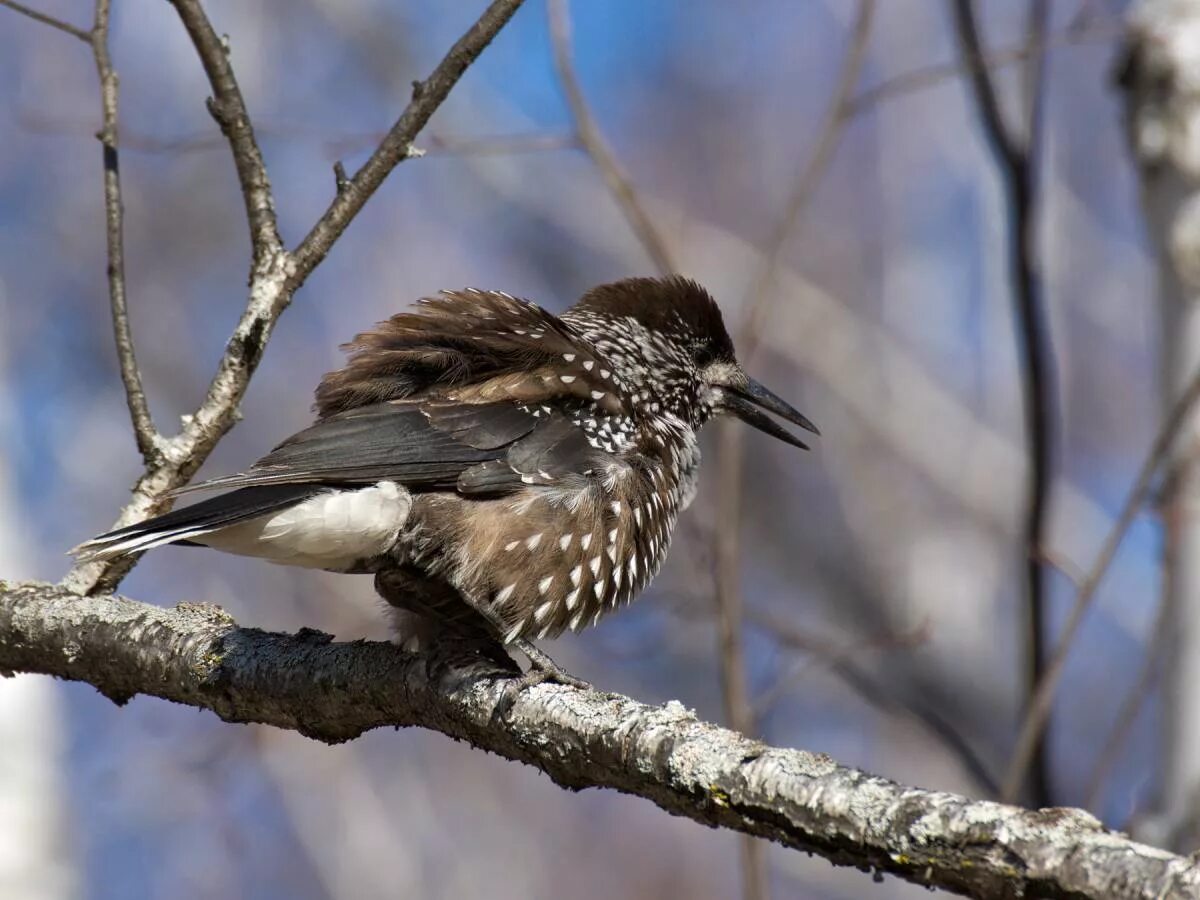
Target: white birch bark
{"points": [[1161, 75]]}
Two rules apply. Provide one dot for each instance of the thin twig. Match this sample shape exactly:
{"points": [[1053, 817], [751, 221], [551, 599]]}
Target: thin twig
{"points": [[59, 24], [1131, 705], [229, 109], [397, 146], [823, 653], [1018, 171], [144, 432], [887, 700], [930, 76], [483, 145], [727, 550], [332, 146], [597, 148], [1043, 697]]}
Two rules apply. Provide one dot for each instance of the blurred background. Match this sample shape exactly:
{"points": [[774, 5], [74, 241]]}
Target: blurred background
{"points": [[853, 215]]}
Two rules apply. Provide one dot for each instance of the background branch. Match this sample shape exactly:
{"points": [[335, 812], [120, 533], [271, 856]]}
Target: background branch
{"points": [[52, 21], [1042, 701], [333, 692], [1018, 171], [597, 148], [144, 432], [727, 553]]}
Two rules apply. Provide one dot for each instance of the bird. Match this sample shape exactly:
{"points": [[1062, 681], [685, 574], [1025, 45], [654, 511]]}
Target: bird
{"points": [[506, 474]]}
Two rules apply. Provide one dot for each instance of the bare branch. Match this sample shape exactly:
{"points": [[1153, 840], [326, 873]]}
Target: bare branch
{"points": [[1131, 704], [333, 692], [1018, 171], [597, 148], [886, 700], [727, 550], [397, 146], [229, 110], [996, 58], [807, 180], [59, 24], [144, 432], [1043, 698]]}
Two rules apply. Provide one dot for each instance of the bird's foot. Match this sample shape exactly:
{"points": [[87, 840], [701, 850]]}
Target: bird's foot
{"points": [[542, 669]]}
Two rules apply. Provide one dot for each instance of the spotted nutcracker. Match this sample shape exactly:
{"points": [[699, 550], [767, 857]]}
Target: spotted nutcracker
{"points": [[502, 471]]}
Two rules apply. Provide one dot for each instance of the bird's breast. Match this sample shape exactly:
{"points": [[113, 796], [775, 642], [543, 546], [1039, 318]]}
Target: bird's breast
{"points": [[544, 560]]}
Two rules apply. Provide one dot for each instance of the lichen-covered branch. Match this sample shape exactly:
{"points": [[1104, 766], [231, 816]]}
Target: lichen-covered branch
{"points": [[197, 655]]}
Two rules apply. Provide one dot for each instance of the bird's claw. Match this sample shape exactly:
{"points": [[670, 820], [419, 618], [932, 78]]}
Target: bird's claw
{"points": [[542, 670]]}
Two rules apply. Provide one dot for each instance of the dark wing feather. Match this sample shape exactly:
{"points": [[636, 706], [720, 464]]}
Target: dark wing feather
{"points": [[475, 347], [386, 441], [477, 449], [551, 452], [485, 426]]}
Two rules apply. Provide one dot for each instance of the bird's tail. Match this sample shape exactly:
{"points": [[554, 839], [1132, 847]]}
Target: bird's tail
{"points": [[181, 525]]}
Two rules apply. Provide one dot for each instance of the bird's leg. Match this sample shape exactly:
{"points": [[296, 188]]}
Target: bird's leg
{"points": [[431, 614], [543, 668]]}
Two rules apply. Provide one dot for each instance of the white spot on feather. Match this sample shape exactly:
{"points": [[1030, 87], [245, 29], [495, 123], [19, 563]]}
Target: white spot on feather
{"points": [[505, 593], [542, 611], [573, 599], [533, 541], [544, 584]]}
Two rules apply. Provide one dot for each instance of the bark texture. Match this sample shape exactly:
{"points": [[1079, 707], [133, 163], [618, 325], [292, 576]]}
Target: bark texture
{"points": [[197, 655]]}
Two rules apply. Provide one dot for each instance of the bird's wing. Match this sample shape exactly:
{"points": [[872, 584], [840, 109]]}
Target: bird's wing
{"points": [[472, 347], [424, 447]]}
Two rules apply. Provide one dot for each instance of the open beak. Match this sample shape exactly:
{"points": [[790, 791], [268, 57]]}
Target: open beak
{"points": [[746, 401]]}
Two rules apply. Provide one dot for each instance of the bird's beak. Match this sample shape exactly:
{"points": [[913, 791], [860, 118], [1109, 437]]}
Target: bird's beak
{"points": [[746, 400]]}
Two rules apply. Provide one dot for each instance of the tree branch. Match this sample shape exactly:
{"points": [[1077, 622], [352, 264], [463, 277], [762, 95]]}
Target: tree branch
{"points": [[59, 24], [197, 655], [597, 148], [727, 550], [229, 110], [144, 432], [1018, 172]]}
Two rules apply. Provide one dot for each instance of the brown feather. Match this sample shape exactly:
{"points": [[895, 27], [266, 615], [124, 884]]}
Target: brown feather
{"points": [[472, 346]]}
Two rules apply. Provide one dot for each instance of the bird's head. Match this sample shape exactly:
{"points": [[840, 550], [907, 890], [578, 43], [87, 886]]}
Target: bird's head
{"points": [[667, 341]]}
